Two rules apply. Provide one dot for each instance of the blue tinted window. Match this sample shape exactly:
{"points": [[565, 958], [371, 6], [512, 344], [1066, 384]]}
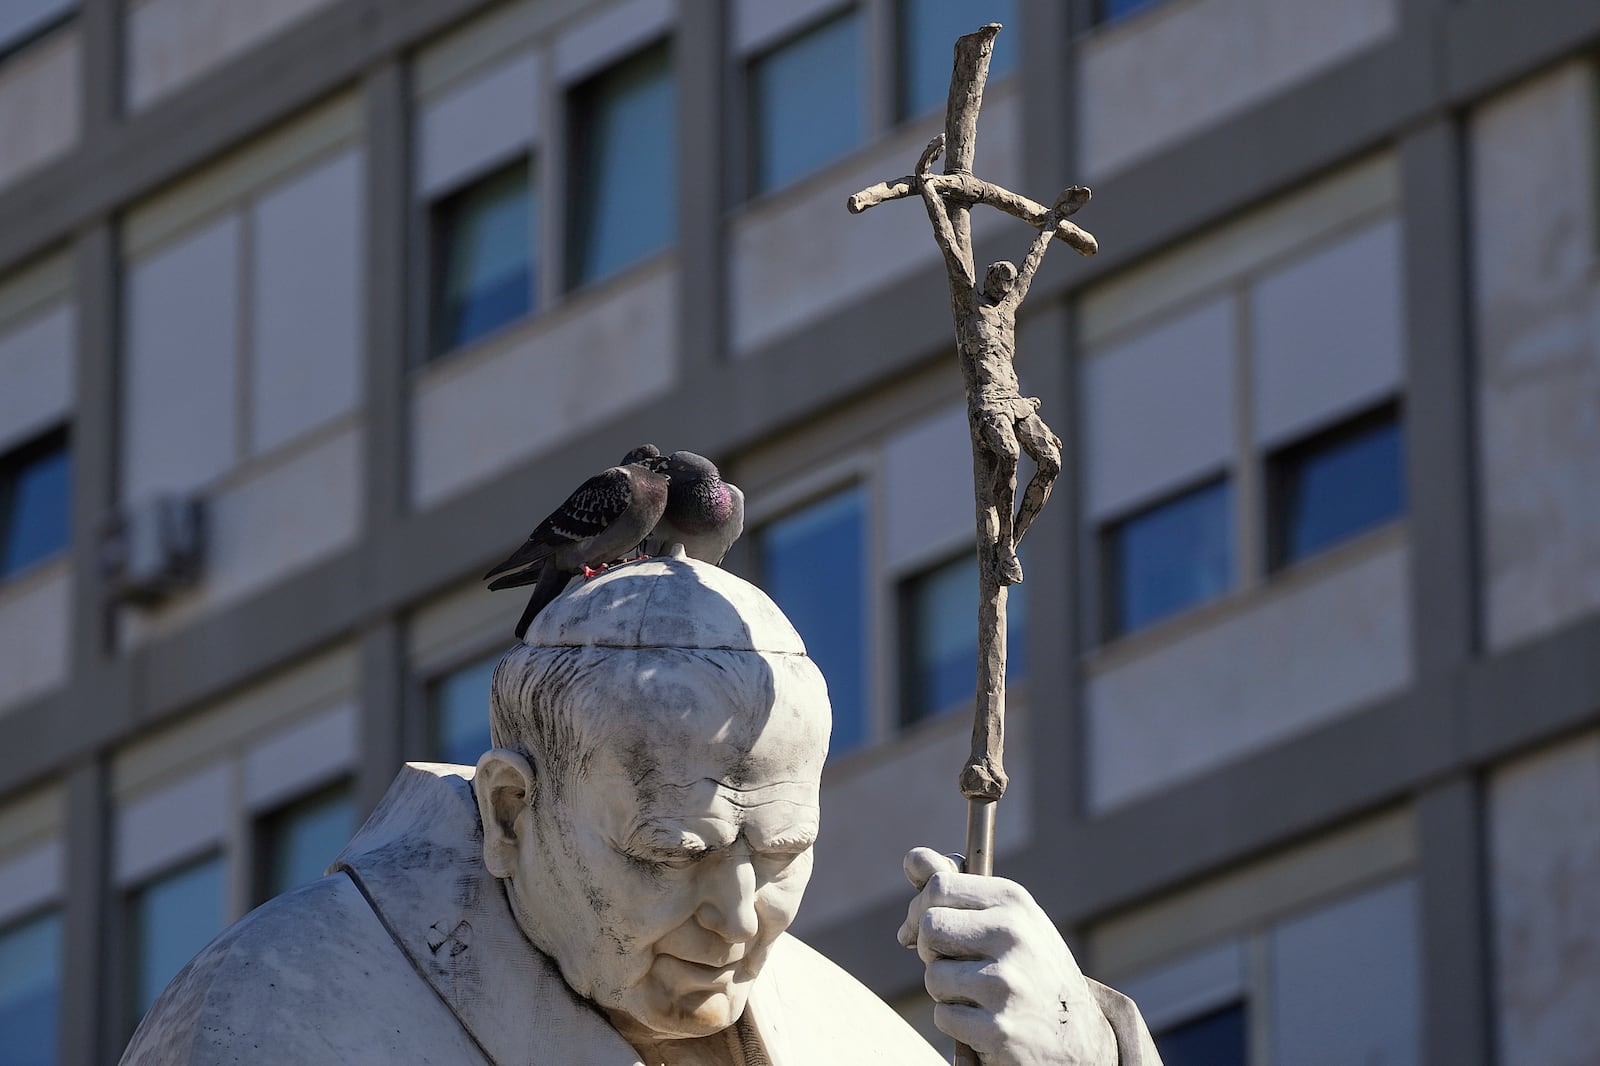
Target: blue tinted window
{"points": [[928, 32], [808, 102], [1174, 555], [1217, 1039], [299, 841], [939, 634], [30, 991], [458, 705], [35, 503], [813, 563], [170, 920], [484, 238], [624, 167], [1338, 485], [1111, 10]]}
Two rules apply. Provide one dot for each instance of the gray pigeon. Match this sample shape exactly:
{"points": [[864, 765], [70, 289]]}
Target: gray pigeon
{"points": [[704, 513], [604, 520], [644, 453]]}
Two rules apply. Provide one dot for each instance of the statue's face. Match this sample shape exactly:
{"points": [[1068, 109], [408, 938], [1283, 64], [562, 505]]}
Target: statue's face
{"points": [[661, 877], [999, 280]]}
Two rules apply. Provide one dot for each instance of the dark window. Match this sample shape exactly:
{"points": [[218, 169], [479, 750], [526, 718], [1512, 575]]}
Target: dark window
{"points": [[169, 920], [813, 564], [298, 841], [1217, 1039], [928, 32], [1111, 10], [1335, 485], [623, 176], [35, 502], [483, 257], [458, 712], [939, 638], [30, 991], [808, 103], [1174, 555]]}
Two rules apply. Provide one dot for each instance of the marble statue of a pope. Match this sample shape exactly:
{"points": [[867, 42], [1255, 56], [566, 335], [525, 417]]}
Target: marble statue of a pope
{"points": [[612, 883]]}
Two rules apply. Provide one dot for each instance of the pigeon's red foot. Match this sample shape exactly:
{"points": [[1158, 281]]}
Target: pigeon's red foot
{"points": [[593, 571]]}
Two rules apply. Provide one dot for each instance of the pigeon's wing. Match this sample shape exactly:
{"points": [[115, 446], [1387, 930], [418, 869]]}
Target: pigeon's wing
{"points": [[588, 511]]}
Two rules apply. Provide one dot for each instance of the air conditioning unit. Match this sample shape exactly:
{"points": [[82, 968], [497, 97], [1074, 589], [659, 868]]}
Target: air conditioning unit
{"points": [[154, 550]]}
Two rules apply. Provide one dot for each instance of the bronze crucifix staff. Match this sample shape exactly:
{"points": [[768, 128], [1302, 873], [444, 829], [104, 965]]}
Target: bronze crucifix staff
{"points": [[1002, 421]]}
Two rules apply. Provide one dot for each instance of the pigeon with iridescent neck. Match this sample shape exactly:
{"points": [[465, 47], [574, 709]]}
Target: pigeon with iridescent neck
{"points": [[704, 513]]}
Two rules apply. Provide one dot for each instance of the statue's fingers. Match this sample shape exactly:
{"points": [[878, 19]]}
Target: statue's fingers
{"points": [[973, 1026], [922, 863], [945, 933], [971, 892], [966, 982]]}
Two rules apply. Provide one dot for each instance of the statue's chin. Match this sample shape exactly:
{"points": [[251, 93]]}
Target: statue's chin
{"points": [[685, 1016]]}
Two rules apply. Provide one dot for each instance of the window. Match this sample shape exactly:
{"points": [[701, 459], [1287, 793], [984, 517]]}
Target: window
{"points": [[807, 102], [623, 179], [927, 32], [458, 712], [483, 268], [35, 502], [1335, 485], [1215, 1039], [1112, 10], [299, 841], [30, 991], [1168, 557], [939, 638], [813, 564], [23, 21], [169, 920]]}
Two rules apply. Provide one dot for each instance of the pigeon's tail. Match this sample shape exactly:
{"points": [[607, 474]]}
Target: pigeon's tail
{"points": [[517, 579], [551, 582]]}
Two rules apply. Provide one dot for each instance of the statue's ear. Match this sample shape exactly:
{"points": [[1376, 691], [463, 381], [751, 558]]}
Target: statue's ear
{"points": [[504, 788]]}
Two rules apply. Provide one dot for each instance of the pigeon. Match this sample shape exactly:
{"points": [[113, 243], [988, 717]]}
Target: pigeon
{"points": [[607, 517], [704, 513], [644, 453]]}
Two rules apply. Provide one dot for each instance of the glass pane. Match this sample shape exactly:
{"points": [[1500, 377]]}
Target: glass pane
{"points": [[303, 838], [459, 706], [1214, 1040], [36, 499], [1111, 10], [30, 991], [486, 236], [928, 32], [814, 566], [808, 102], [624, 176], [941, 635], [1338, 487], [170, 920], [1172, 556]]}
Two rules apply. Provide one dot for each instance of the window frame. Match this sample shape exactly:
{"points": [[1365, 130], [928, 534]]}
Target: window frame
{"points": [[1108, 613], [12, 463], [262, 837], [434, 347]]}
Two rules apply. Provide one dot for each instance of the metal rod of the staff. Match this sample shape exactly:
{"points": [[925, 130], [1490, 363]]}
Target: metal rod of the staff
{"points": [[980, 861]]}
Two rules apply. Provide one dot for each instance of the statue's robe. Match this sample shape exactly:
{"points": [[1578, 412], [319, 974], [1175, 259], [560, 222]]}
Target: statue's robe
{"points": [[408, 953]]}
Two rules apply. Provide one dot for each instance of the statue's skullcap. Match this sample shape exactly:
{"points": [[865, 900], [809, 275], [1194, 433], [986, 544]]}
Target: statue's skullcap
{"points": [[668, 602]]}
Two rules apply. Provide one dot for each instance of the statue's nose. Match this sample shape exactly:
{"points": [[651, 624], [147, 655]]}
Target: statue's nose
{"points": [[728, 902]]}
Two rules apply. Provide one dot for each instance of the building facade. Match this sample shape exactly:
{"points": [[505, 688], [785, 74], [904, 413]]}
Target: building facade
{"points": [[309, 309]]}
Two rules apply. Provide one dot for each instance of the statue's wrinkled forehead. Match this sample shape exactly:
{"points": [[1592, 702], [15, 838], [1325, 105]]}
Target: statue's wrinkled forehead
{"points": [[671, 602]]}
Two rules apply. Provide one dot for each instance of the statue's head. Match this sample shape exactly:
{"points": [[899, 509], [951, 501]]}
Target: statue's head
{"points": [[651, 799], [999, 279]]}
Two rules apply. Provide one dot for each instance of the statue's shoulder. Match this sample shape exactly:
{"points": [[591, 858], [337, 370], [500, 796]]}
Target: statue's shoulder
{"points": [[309, 977]]}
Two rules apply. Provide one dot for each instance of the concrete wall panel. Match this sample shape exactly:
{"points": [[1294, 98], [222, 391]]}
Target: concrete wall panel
{"points": [[1190, 987], [1161, 76], [479, 413], [1298, 657], [1537, 298], [798, 255], [39, 103], [1158, 407], [600, 39], [180, 420], [307, 301], [1326, 334], [31, 879], [474, 126], [926, 510], [35, 623], [171, 42], [1544, 848], [1346, 982], [301, 757], [36, 365]]}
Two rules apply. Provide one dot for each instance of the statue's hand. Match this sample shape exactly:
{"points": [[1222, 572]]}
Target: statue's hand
{"points": [[1003, 981], [931, 153]]}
